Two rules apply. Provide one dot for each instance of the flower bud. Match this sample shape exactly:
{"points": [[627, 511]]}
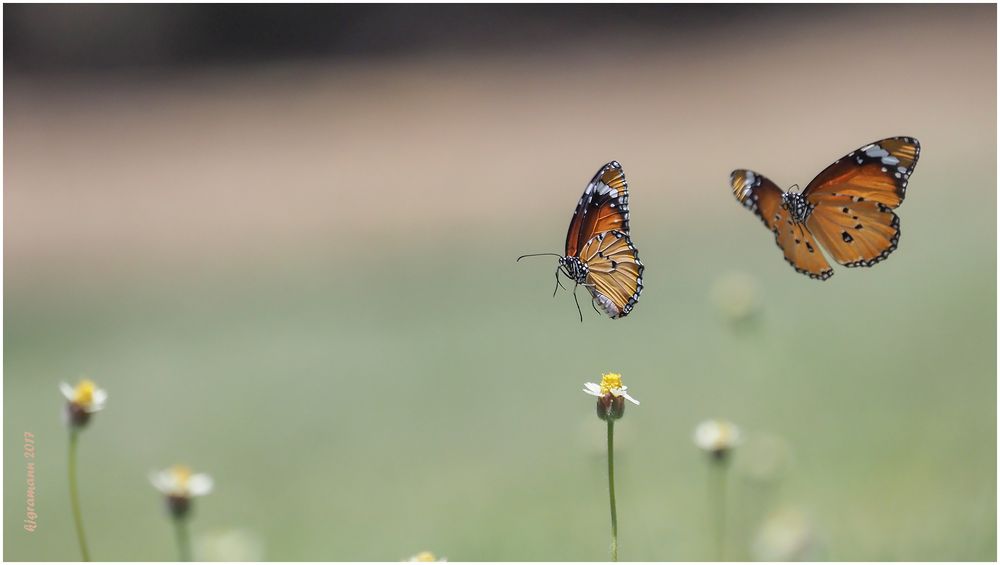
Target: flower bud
{"points": [[76, 415], [178, 506], [610, 406], [611, 396]]}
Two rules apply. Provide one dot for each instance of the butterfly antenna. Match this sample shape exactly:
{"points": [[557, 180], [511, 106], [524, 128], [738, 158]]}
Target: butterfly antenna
{"points": [[794, 186], [537, 255]]}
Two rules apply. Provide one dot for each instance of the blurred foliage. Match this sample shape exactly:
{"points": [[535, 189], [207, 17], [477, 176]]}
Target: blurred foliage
{"points": [[436, 403], [377, 376]]}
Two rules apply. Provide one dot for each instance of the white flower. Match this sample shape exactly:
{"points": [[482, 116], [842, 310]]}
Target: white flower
{"points": [[716, 436], [85, 395], [229, 545], [611, 383], [786, 535], [737, 296], [179, 481], [426, 557]]}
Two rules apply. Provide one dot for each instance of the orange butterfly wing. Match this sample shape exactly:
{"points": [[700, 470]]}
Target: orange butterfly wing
{"points": [[878, 171], [801, 249], [762, 197], [757, 194], [614, 272], [853, 200], [603, 207], [856, 233]]}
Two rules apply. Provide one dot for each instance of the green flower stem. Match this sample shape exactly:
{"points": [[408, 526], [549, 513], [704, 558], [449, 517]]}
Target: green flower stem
{"points": [[183, 539], [74, 494], [611, 488], [719, 504]]}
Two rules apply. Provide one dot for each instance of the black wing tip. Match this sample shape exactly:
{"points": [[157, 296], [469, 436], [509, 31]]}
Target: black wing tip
{"points": [[612, 164], [755, 179], [820, 276], [904, 138]]}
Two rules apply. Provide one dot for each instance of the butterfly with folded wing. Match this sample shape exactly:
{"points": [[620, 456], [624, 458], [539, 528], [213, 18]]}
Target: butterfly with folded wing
{"points": [[599, 254]]}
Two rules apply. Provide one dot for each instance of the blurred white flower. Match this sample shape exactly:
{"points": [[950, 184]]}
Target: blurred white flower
{"points": [[81, 401], [717, 436], [178, 481], [786, 535], [229, 545], [426, 557], [737, 296], [85, 395]]}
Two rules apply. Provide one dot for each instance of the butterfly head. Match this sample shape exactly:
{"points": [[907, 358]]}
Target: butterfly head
{"points": [[796, 205], [573, 268]]}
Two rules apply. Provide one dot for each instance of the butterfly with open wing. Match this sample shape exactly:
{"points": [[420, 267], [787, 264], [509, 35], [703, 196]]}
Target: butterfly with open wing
{"points": [[599, 254], [846, 209]]}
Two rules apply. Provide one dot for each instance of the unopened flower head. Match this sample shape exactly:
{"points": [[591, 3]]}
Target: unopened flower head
{"points": [[426, 557], [229, 545], [737, 297], [717, 437], [786, 535], [82, 400], [180, 485], [611, 396]]}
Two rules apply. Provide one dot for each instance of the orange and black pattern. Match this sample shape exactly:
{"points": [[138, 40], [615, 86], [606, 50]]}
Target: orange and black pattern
{"points": [[614, 272], [602, 207], [762, 197], [877, 172], [847, 208], [599, 253]]}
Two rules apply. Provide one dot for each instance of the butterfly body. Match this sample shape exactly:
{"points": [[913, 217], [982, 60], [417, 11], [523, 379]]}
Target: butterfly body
{"points": [[574, 269], [797, 206], [599, 254], [847, 209]]}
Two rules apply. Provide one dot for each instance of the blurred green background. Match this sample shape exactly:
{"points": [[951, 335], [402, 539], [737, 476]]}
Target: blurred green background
{"points": [[297, 274]]}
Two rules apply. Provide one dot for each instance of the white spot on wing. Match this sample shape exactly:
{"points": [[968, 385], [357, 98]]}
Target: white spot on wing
{"points": [[874, 151], [878, 152]]}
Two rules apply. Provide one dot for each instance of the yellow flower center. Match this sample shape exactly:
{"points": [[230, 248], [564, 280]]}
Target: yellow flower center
{"points": [[181, 475], [83, 394], [425, 557], [610, 381]]}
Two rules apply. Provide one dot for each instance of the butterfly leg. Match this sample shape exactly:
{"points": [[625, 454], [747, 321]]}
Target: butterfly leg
{"points": [[558, 285], [592, 303], [577, 300]]}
